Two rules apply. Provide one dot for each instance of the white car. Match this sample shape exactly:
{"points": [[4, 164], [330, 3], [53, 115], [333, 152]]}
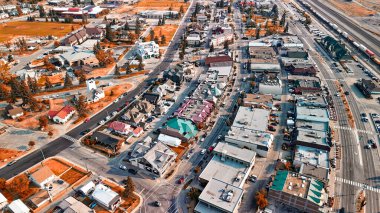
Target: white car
{"points": [[203, 151], [114, 113], [123, 167], [101, 122], [108, 117]]}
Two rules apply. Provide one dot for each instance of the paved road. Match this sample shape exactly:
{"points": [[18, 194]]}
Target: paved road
{"points": [[60, 144], [346, 24]]}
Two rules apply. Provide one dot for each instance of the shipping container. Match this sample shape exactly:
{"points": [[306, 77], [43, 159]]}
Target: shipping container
{"points": [[376, 60], [370, 53]]}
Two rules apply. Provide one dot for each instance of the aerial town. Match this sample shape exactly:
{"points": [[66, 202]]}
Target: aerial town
{"points": [[182, 106]]}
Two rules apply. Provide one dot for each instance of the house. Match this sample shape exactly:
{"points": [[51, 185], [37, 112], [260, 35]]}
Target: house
{"points": [[144, 107], [174, 75], [95, 33], [219, 196], [87, 188], [134, 117], [13, 111], [147, 50], [72, 205], [17, 206], [297, 191], [75, 38], [152, 157], [42, 176], [169, 140], [152, 98], [105, 197], [73, 58], [63, 115], [137, 132], [193, 39], [119, 127], [107, 142], [3, 201], [197, 111], [220, 39], [93, 94]]}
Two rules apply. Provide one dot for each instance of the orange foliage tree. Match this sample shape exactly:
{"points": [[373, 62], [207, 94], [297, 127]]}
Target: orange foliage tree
{"points": [[261, 200], [19, 185]]}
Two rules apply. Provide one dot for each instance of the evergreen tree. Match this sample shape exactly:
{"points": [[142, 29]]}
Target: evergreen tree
{"points": [[25, 93], [163, 39], [4, 94], [181, 10], [129, 189], [141, 64], [138, 27], [68, 82], [41, 10], [126, 26], [32, 84], [82, 77], [151, 34], [156, 40], [211, 48], [282, 21], [109, 34], [226, 45], [128, 69], [163, 21], [80, 106], [159, 22], [286, 28], [15, 90]]}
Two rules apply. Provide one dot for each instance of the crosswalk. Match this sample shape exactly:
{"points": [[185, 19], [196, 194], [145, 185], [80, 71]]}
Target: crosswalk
{"points": [[352, 129], [70, 138], [357, 184]]}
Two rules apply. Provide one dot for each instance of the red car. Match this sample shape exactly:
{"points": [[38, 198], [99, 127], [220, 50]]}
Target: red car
{"points": [[87, 120], [127, 103], [181, 180]]}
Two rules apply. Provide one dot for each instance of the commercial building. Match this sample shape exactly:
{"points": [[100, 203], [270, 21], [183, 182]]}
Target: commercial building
{"points": [[312, 138], [158, 14], [183, 126], [105, 197], [251, 119], [265, 65], [63, 115], [313, 114], [317, 158], [219, 196], [261, 52], [270, 84], [297, 191]]}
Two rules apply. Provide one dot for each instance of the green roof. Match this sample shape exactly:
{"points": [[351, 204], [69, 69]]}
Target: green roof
{"points": [[183, 126], [315, 191], [279, 180]]}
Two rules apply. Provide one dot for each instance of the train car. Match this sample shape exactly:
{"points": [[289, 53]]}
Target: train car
{"points": [[356, 44], [345, 34], [376, 60], [362, 47], [370, 53]]}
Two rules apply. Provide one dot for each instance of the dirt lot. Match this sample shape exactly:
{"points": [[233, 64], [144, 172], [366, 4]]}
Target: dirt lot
{"points": [[352, 8], [56, 167], [72, 176], [99, 72], [7, 154], [153, 5], [10, 30], [167, 30]]}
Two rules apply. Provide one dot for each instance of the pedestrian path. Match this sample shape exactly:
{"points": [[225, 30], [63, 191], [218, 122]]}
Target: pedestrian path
{"points": [[70, 138], [358, 130], [361, 185]]}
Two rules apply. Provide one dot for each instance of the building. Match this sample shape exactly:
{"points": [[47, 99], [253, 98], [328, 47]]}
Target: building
{"points": [[304, 84], [87, 188], [261, 52], [14, 112], [42, 176], [107, 142], [93, 94], [105, 197], [134, 117], [195, 110], [209, 61], [119, 127], [72, 205], [183, 126], [335, 48], [298, 191], [302, 69], [369, 87], [251, 119], [95, 33], [75, 59], [270, 84], [63, 115], [152, 157], [312, 114], [229, 164], [219, 196], [152, 98], [265, 65], [294, 52], [220, 39], [3, 201], [158, 14], [75, 38], [209, 91], [193, 39], [147, 50], [176, 76], [137, 132], [312, 138], [17, 206], [310, 156]]}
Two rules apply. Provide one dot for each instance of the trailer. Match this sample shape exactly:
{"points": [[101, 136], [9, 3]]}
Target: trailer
{"points": [[370, 53], [356, 44], [362, 47]]}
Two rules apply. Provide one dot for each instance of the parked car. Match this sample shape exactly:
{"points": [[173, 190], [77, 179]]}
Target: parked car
{"points": [[181, 180], [101, 122], [108, 117], [157, 203], [346, 92], [252, 178], [132, 171], [203, 151], [11, 163], [122, 167]]}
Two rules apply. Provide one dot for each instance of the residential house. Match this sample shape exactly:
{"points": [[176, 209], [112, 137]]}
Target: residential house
{"points": [[95, 33], [147, 50], [152, 98], [93, 94], [144, 107], [74, 58], [297, 191], [105, 197], [107, 142], [134, 117], [63, 115], [76, 38], [197, 111], [174, 75], [152, 157], [42, 176], [17, 206], [120, 127], [137, 132], [13, 111], [72, 205], [220, 39], [87, 189], [193, 39]]}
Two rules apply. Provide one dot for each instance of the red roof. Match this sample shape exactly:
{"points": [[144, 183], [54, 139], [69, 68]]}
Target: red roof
{"points": [[216, 59], [52, 113], [138, 130], [61, 113], [118, 126]]}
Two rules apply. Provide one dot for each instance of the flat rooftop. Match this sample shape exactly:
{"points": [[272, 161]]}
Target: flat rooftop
{"points": [[219, 195], [312, 125], [250, 136], [252, 119], [244, 155], [312, 136], [226, 170], [310, 113], [312, 156]]}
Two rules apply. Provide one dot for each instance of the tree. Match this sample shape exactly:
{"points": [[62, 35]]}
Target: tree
{"points": [[226, 44], [117, 70], [31, 143], [286, 28], [4, 93], [50, 133], [56, 43], [126, 26], [80, 105], [41, 10], [105, 57], [151, 35], [19, 11], [274, 11], [194, 193], [68, 82], [288, 165], [128, 69], [261, 200], [48, 65], [181, 55], [129, 188], [5, 75], [32, 84], [3, 183], [141, 64], [138, 27], [109, 34], [43, 122], [181, 10], [163, 39], [82, 77], [156, 40], [159, 22], [163, 21], [283, 17], [19, 184], [48, 84]]}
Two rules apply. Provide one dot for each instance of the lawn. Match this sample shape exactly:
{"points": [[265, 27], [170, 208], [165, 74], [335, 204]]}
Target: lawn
{"points": [[56, 167], [72, 176], [10, 30], [167, 30]]}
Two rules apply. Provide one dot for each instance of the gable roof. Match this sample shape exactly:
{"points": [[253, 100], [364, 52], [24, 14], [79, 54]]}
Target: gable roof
{"points": [[118, 126], [42, 174], [216, 59], [66, 110]]}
